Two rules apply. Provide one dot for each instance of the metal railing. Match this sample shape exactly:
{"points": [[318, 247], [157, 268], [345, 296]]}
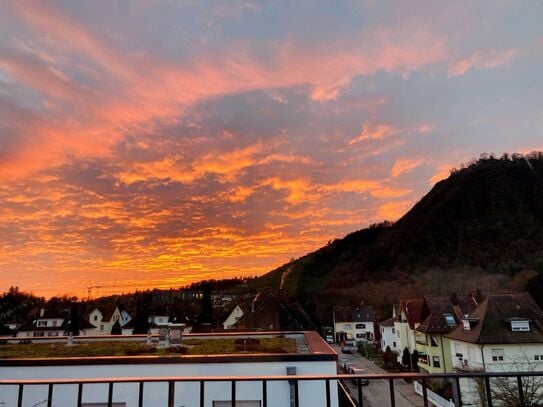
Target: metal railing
{"points": [[327, 380]]}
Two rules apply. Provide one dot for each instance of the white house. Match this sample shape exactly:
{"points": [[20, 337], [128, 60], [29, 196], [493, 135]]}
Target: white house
{"points": [[49, 324], [504, 333], [233, 318], [104, 317], [388, 335], [356, 323], [316, 358], [409, 317]]}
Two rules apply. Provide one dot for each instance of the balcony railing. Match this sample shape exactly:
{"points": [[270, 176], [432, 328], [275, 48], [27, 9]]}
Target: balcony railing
{"points": [[328, 382]]}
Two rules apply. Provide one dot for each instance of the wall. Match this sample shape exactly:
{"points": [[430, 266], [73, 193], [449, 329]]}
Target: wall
{"points": [[389, 338], [312, 393]]}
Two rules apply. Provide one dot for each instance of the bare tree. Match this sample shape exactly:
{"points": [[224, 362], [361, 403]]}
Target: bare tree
{"points": [[505, 389]]}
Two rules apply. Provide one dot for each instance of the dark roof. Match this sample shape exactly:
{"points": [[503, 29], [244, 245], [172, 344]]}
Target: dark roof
{"points": [[491, 320], [358, 313], [445, 312], [415, 311], [388, 323], [271, 310], [4, 330]]}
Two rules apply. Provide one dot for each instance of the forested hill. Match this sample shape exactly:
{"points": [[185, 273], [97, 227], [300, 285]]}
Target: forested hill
{"points": [[486, 218]]}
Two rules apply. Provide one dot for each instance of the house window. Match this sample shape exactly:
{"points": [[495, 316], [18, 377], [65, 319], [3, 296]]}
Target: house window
{"points": [[520, 326], [393, 330], [360, 336], [39, 333], [436, 362], [348, 326], [54, 323], [497, 355], [42, 323], [538, 357], [394, 344], [101, 327], [96, 317], [360, 326], [433, 341]]}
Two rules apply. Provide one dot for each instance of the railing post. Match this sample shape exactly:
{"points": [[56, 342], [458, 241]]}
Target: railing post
{"points": [[202, 393], [424, 392], [457, 394], [20, 396], [140, 396], [110, 395], [327, 393], [171, 393], [264, 393], [391, 388], [359, 388], [520, 391], [233, 393], [79, 394], [488, 392], [50, 395]]}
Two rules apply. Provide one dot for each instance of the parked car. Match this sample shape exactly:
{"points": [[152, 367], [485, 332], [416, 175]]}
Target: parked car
{"points": [[349, 347], [357, 371]]}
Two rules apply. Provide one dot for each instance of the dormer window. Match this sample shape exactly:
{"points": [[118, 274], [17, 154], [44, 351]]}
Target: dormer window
{"points": [[468, 323], [520, 326]]}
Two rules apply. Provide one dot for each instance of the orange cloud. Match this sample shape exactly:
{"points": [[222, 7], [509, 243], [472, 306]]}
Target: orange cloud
{"points": [[405, 165], [394, 210], [442, 173], [374, 132]]}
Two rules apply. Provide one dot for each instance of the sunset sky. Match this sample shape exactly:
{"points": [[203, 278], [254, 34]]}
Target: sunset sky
{"points": [[155, 143]]}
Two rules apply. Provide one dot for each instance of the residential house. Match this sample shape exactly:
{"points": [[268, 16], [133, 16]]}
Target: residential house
{"points": [[104, 317], [355, 323], [388, 335], [233, 317], [51, 324], [270, 312], [410, 314], [161, 319], [504, 333], [442, 315]]}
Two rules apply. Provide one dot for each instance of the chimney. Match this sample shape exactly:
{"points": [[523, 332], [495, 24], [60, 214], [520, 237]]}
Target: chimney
{"points": [[42, 312]]}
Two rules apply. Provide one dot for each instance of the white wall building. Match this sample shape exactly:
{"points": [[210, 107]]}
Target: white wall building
{"points": [[354, 323], [233, 318], [388, 335], [103, 318], [319, 360], [46, 324], [503, 334]]}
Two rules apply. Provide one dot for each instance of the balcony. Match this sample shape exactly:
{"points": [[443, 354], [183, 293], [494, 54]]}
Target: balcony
{"points": [[333, 390]]}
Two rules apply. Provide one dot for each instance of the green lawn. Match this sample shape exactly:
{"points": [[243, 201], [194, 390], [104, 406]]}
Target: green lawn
{"points": [[112, 348]]}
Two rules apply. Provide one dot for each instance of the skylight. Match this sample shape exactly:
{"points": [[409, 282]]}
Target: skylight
{"points": [[450, 319]]}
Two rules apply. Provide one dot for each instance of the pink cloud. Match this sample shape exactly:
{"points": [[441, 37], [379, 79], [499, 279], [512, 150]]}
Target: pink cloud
{"points": [[483, 60]]}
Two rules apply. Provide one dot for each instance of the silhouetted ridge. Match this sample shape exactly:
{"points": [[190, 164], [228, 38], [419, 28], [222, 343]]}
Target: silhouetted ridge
{"points": [[487, 216]]}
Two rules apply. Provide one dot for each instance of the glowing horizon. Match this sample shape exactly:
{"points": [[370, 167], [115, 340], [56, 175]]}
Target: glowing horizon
{"points": [[154, 144]]}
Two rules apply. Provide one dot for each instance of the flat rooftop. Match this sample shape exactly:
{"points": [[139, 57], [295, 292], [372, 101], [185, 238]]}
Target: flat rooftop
{"points": [[194, 348]]}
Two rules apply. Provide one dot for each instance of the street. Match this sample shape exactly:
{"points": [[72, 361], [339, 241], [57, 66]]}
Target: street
{"points": [[377, 393]]}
